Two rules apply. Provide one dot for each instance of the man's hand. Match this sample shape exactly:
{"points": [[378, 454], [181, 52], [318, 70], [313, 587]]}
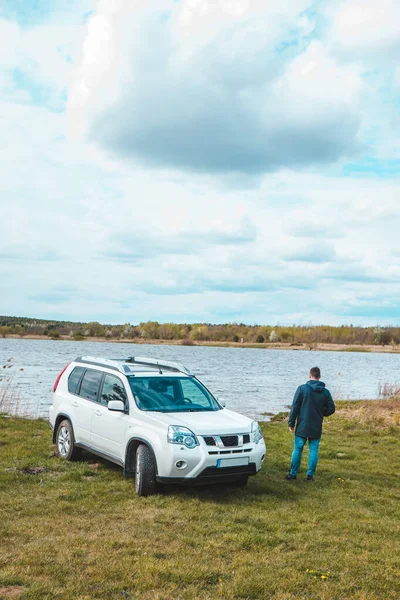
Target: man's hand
{"points": [[291, 429]]}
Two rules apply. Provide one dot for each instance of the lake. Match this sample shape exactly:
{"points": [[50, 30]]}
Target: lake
{"points": [[252, 381]]}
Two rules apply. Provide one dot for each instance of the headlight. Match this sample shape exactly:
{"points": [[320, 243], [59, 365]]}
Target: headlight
{"points": [[256, 434], [182, 435]]}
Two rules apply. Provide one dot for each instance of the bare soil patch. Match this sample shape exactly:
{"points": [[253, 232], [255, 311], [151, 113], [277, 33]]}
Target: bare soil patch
{"points": [[11, 591], [34, 470]]}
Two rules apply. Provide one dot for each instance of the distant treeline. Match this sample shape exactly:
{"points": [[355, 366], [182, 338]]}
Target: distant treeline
{"points": [[204, 332]]}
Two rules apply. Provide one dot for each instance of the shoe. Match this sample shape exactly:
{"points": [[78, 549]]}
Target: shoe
{"points": [[290, 477], [310, 478]]}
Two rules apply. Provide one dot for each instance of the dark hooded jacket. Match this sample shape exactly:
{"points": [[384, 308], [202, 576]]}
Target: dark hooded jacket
{"points": [[311, 403]]}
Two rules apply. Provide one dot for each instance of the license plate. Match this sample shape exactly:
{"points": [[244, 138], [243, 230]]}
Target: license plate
{"points": [[233, 462]]}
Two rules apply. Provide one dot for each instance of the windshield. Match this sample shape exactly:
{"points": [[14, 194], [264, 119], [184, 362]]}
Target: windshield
{"points": [[175, 394]]}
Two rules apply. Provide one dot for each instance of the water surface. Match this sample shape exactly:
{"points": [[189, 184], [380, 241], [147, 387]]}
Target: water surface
{"points": [[251, 380]]}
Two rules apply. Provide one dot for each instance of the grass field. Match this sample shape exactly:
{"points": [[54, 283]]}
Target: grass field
{"points": [[78, 531]]}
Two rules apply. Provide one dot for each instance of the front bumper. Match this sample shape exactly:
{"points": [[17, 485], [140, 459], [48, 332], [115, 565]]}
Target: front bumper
{"points": [[212, 475], [209, 464]]}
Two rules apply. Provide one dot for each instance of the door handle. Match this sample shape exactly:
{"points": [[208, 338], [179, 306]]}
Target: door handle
{"points": [[98, 413], [74, 403]]}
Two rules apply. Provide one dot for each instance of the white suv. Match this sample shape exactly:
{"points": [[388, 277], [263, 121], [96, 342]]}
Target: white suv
{"points": [[155, 419]]}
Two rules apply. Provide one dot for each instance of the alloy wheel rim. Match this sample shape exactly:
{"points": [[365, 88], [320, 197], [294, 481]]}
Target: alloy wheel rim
{"points": [[137, 474], [64, 441]]}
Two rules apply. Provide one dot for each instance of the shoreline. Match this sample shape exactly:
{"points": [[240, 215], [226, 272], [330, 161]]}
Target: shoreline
{"points": [[343, 406], [323, 347]]}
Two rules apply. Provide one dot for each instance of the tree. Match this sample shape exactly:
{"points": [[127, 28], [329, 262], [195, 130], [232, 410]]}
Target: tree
{"points": [[150, 330], [273, 336], [200, 333], [95, 329]]}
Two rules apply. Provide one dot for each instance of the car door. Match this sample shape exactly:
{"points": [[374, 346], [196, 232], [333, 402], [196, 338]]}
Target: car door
{"points": [[83, 404], [108, 426]]}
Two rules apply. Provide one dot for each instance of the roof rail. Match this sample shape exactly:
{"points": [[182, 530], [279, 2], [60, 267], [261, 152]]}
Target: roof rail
{"points": [[103, 362], [120, 364], [162, 364]]}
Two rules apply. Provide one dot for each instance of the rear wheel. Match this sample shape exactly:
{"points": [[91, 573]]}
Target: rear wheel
{"points": [[145, 473], [65, 446]]}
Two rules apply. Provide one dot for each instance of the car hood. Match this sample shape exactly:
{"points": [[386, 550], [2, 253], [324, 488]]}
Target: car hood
{"points": [[207, 423]]}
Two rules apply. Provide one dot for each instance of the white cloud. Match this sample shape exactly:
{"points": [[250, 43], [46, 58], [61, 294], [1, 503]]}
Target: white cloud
{"points": [[187, 249], [10, 37], [87, 236], [369, 27], [231, 100], [200, 20], [35, 61]]}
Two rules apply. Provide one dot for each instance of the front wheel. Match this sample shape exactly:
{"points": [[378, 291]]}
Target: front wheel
{"points": [[65, 446], [145, 473]]}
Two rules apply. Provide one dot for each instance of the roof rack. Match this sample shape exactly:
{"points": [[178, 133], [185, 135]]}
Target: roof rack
{"points": [[122, 364], [162, 364], [101, 362]]}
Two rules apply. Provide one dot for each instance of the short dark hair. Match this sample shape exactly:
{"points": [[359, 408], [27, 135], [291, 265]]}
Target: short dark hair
{"points": [[315, 372]]}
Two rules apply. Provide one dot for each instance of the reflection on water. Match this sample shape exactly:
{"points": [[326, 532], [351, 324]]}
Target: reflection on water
{"points": [[252, 381]]}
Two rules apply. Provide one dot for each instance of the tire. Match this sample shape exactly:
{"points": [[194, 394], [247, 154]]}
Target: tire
{"points": [[65, 446], [145, 472], [241, 481]]}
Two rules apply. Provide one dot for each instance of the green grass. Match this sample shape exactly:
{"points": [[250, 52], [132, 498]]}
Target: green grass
{"points": [[77, 531], [356, 349]]}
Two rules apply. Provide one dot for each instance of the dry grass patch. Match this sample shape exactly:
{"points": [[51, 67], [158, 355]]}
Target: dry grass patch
{"points": [[376, 413], [389, 390]]}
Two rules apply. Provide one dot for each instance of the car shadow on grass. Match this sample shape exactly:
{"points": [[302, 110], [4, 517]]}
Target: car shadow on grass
{"points": [[97, 461], [258, 488], [270, 482]]}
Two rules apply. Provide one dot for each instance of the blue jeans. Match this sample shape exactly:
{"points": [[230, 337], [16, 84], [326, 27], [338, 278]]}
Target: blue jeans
{"points": [[313, 445]]}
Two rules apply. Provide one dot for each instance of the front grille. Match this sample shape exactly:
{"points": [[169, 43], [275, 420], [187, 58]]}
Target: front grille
{"points": [[229, 440], [210, 441]]}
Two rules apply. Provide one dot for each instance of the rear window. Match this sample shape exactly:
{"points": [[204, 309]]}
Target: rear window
{"points": [[74, 379], [90, 384]]}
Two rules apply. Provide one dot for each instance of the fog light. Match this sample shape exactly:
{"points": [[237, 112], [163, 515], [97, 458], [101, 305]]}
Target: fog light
{"points": [[262, 458], [181, 464]]}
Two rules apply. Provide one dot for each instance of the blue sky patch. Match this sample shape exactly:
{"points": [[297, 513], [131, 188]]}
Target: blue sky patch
{"points": [[28, 12], [40, 94], [373, 167]]}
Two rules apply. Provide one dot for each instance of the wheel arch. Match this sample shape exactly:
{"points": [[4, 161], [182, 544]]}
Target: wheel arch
{"points": [[62, 417], [130, 455]]}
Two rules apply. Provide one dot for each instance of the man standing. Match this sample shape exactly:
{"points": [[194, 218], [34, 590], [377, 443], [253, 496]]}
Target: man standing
{"points": [[311, 403]]}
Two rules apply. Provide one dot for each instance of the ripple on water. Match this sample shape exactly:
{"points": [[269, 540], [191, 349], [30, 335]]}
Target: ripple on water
{"points": [[251, 380]]}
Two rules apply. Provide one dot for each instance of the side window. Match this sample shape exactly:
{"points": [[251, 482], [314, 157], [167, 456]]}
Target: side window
{"points": [[113, 389], [74, 379], [90, 384]]}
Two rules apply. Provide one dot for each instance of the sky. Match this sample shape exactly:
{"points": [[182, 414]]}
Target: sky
{"points": [[200, 161]]}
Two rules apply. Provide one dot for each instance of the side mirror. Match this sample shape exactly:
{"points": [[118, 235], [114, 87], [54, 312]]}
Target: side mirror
{"points": [[222, 402], [116, 405]]}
